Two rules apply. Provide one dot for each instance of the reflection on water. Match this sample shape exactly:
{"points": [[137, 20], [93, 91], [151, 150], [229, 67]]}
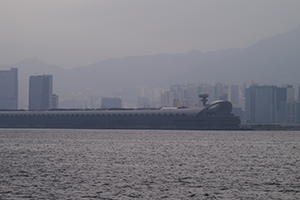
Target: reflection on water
{"points": [[148, 164]]}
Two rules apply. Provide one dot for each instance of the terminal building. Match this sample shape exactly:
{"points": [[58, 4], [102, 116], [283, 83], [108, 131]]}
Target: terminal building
{"points": [[214, 116]]}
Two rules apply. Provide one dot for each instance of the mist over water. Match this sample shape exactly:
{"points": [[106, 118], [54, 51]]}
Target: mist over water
{"points": [[148, 164]]}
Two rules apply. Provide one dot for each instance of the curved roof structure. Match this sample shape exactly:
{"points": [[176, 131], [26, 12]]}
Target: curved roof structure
{"points": [[216, 108], [213, 116]]}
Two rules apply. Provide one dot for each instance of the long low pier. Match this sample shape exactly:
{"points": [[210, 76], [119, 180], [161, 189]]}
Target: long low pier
{"points": [[213, 117]]}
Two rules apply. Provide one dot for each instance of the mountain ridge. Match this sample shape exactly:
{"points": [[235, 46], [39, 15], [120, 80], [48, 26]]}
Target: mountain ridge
{"points": [[273, 60]]}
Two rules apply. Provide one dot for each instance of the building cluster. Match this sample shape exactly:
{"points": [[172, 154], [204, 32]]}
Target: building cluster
{"points": [[272, 104], [129, 97], [41, 96], [254, 103], [187, 95]]}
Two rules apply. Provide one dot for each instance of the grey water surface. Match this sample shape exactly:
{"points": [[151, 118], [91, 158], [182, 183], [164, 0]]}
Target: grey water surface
{"points": [[149, 164]]}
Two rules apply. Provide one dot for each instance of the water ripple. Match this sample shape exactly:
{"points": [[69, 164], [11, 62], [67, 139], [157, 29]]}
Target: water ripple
{"points": [[148, 164]]}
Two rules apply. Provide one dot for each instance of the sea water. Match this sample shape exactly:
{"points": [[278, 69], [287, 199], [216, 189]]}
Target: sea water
{"points": [[149, 164]]}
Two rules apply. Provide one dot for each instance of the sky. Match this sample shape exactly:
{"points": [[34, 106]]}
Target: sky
{"points": [[74, 33]]}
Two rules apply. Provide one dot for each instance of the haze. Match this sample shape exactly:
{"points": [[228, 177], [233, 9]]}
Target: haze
{"points": [[73, 33]]}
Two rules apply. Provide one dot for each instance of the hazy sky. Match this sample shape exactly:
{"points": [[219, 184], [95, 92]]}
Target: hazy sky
{"points": [[73, 33]]}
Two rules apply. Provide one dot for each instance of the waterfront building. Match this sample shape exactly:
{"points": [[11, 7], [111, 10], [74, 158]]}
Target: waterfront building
{"points": [[9, 89], [216, 116], [269, 104], [260, 104], [40, 92], [285, 98]]}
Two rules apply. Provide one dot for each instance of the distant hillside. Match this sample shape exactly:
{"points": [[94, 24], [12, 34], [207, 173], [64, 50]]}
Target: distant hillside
{"points": [[273, 60]]}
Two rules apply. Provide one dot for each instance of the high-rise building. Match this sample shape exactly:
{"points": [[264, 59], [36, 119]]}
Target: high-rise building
{"points": [[260, 104], [269, 104], [155, 97], [142, 91], [54, 101], [217, 90], [192, 95], [40, 92], [9, 89], [234, 93]]}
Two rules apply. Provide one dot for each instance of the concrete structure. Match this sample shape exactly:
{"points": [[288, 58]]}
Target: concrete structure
{"points": [[40, 92], [9, 89]]}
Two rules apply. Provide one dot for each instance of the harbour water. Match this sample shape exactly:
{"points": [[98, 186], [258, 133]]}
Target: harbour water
{"points": [[149, 164]]}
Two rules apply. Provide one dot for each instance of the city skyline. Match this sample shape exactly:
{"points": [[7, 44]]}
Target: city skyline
{"points": [[251, 101]]}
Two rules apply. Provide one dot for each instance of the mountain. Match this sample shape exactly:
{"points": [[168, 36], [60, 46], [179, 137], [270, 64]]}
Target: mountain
{"points": [[151, 70], [274, 60]]}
